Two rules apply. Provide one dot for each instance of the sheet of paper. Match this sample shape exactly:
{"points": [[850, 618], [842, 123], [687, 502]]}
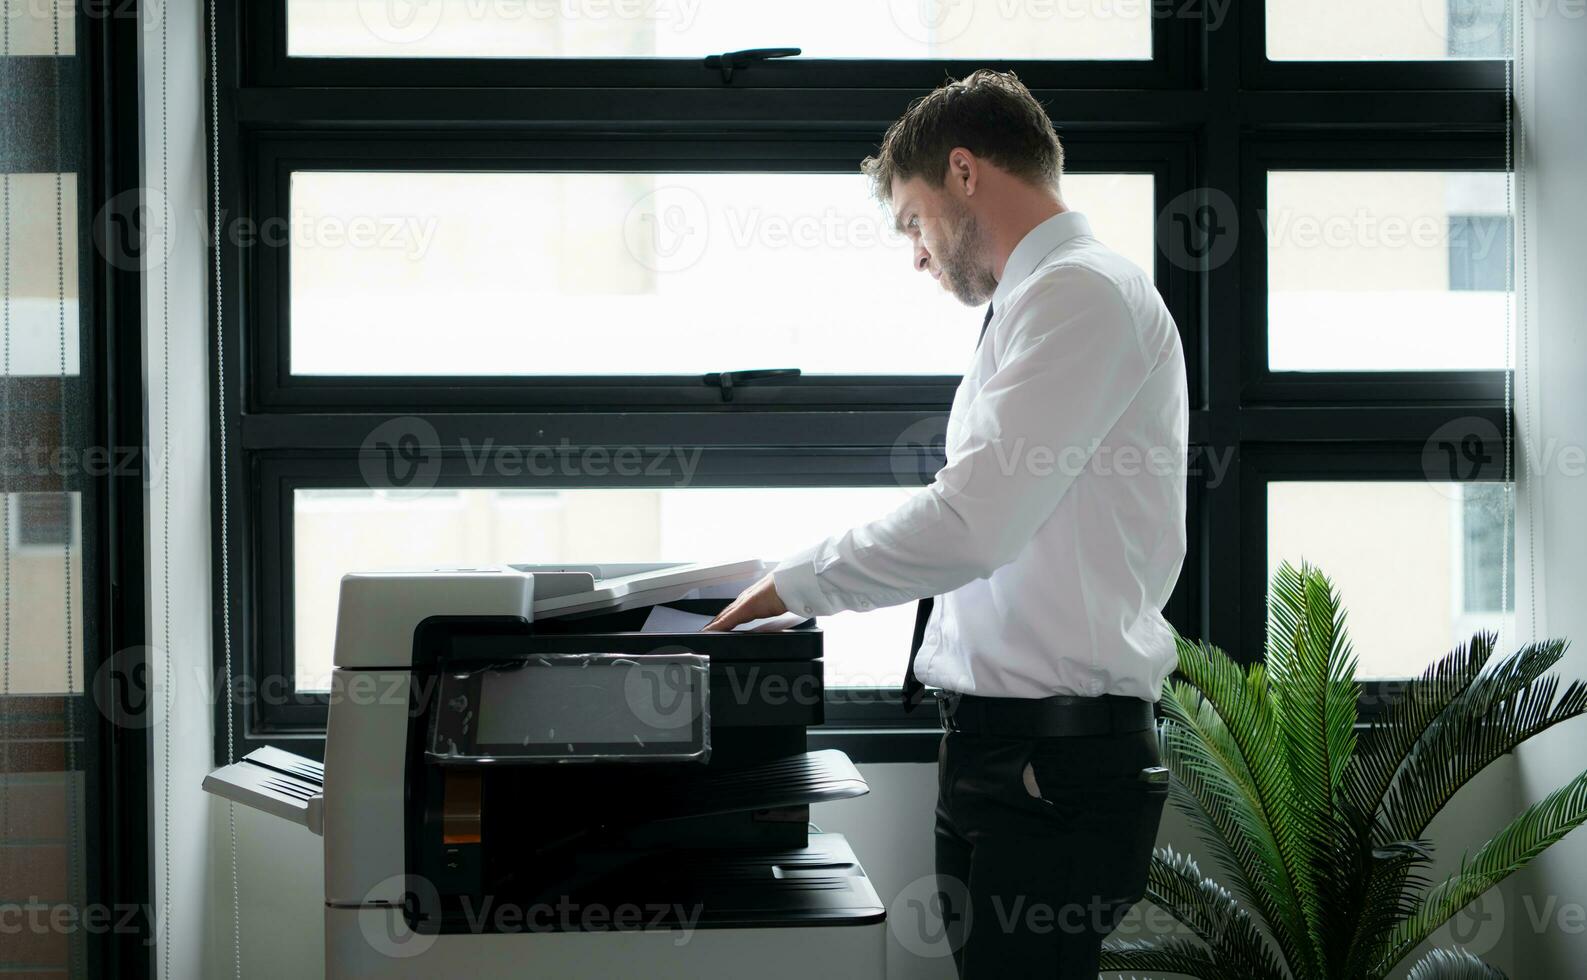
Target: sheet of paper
{"points": [[771, 624], [665, 619]]}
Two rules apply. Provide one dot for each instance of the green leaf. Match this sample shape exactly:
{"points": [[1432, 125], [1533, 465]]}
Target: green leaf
{"points": [[1537, 828], [1178, 956], [1177, 886], [1389, 740], [1319, 839], [1452, 964], [1426, 749], [1312, 675], [1380, 886], [1498, 712], [1212, 773]]}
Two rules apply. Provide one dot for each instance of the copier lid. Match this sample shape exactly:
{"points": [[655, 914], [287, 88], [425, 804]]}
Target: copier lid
{"points": [[562, 590], [378, 611]]}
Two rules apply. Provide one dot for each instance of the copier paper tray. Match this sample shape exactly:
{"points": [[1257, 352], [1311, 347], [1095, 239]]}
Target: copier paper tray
{"points": [[655, 793], [818, 884]]}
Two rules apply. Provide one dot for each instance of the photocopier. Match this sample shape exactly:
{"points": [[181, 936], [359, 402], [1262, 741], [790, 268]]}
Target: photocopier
{"points": [[547, 771]]}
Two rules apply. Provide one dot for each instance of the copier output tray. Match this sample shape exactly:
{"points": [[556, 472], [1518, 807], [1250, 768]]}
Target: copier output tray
{"points": [[820, 883], [799, 780]]}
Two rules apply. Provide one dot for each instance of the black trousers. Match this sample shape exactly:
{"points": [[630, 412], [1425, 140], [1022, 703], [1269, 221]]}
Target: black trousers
{"points": [[1042, 846]]}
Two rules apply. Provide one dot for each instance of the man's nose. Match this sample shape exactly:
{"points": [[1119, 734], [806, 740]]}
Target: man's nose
{"points": [[922, 258]]}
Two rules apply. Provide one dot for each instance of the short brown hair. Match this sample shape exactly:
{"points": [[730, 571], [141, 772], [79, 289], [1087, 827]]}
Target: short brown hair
{"points": [[992, 114]]}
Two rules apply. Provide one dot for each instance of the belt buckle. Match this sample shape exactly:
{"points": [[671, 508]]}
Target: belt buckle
{"points": [[947, 706]]}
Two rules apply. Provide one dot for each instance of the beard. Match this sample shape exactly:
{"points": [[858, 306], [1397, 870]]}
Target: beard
{"points": [[963, 268]]}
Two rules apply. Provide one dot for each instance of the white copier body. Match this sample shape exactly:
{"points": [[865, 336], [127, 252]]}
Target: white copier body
{"points": [[360, 803]]}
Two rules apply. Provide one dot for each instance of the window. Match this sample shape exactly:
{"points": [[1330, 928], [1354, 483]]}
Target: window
{"points": [[553, 228], [1479, 259], [1478, 28], [1487, 580], [1417, 564], [1386, 30], [74, 775], [598, 273], [860, 29], [38, 303], [1386, 270], [44, 522], [45, 590], [31, 33], [338, 530]]}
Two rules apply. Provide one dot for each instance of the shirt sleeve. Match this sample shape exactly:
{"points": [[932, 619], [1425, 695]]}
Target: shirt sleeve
{"points": [[1072, 361]]}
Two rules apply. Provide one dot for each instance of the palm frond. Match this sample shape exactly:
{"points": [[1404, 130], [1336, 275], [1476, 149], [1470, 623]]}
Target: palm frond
{"points": [[1497, 713], [1429, 732], [1537, 828], [1177, 886], [1453, 964], [1323, 865], [1389, 740], [1242, 702], [1312, 675], [1212, 774], [1375, 888], [1178, 956]]}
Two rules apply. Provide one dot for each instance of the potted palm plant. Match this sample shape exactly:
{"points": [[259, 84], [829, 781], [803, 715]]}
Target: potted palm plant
{"points": [[1318, 833]]}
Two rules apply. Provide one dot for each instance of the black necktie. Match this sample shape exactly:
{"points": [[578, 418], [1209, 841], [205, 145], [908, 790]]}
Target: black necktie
{"points": [[986, 322], [914, 690]]}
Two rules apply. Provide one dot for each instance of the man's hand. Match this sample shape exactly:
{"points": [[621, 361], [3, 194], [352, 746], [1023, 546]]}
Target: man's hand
{"points": [[759, 601]]}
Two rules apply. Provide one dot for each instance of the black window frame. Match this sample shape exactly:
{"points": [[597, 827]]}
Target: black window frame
{"points": [[1205, 116], [80, 115]]}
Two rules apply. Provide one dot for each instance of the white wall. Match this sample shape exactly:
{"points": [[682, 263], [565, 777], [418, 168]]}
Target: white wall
{"points": [[1555, 117], [179, 445], [891, 830]]}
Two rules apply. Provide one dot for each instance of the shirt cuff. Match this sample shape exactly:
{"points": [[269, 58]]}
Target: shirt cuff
{"points": [[798, 588]]}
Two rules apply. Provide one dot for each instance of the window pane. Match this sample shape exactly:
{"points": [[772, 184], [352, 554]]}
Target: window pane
{"points": [[40, 298], [43, 559], [566, 274], [1386, 271], [1417, 564], [1386, 30], [31, 30], [346, 530], [916, 29]]}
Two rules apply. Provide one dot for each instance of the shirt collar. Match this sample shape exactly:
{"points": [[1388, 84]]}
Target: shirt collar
{"points": [[1037, 244]]}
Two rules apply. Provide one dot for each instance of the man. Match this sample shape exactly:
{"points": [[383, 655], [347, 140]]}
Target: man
{"points": [[1051, 540]]}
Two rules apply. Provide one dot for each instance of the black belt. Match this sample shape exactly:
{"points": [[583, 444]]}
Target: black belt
{"points": [[1058, 716]]}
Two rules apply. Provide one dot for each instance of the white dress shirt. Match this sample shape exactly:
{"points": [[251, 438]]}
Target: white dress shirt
{"points": [[1056, 530]]}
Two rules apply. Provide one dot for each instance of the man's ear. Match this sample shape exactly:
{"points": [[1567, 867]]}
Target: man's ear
{"points": [[964, 171]]}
